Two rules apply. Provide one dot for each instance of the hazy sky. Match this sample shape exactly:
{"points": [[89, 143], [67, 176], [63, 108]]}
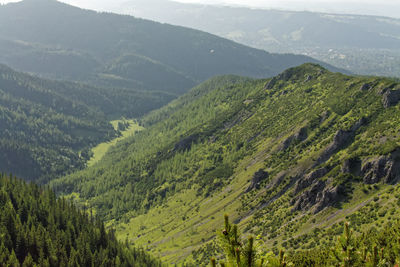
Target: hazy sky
{"points": [[368, 7]]}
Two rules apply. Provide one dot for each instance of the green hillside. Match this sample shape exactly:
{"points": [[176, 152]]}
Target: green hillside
{"points": [[288, 158], [39, 230]]}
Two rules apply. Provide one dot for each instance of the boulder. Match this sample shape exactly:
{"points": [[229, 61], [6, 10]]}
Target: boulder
{"points": [[258, 177], [301, 134]]}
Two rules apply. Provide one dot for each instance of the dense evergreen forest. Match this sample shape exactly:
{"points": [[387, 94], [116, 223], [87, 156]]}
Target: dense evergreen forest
{"points": [[370, 248], [279, 154], [37, 229], [47, 128]]}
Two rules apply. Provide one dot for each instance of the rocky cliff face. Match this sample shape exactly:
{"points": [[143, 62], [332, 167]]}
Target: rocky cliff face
{"points": [[382, 169], [258, 177], [391, 98]]}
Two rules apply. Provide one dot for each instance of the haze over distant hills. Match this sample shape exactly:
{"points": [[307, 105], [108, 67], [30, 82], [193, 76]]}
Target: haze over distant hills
{"points": [[55, 40], [361, 44], [132, 66]]}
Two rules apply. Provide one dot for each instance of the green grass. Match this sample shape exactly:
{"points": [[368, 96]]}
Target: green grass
{"points": [[100, 150], [172, 201]]}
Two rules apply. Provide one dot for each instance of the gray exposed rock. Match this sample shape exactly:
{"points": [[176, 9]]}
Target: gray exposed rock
{"points": [[318, 197], [365, 87], [308, 78], [384, 168], [258, 177], [308, 179], [352, 166], [299, 136], [328, 197], [308, 198], [340, 140], [324, 115], [391, 98]]}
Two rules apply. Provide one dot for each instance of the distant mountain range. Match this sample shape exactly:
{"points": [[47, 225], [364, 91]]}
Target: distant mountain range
{"points": [[59, 41], [361, 44]]}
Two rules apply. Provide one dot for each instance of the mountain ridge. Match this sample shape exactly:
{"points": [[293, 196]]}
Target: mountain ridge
{"points": [[302, 132]]}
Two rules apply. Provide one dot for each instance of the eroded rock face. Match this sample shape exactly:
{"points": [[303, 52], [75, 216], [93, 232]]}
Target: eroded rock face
{"points": [[365, 87], [382, 169], [318, 197], [308, 198], [352, 166], [391, 98], [299, 136], [328, 197], [308, 179], [340, 140], [258, 177]]}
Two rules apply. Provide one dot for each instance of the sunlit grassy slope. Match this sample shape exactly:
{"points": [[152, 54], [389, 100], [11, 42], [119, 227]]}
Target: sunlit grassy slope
{"points": [[100, 150], [168, 187]]}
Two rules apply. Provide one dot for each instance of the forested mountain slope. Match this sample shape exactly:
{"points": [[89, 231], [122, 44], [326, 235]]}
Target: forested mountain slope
{"points": [[39, 230], [48, 127], [60, 41], [282, 156]]}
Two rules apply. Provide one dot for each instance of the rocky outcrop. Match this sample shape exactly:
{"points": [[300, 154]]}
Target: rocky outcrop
{"points": [[307, 199], [324, 115], [352, 166], [391, 98], [309, 179], [284, 76], [258, 177], [299, 136], [308, 78], [328, 197], [318, 197], [341, 139], [365, 87], [382, 169]]}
